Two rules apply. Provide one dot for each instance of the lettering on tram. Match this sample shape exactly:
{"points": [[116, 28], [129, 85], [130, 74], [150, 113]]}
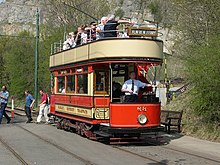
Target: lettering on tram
{"points": [[107, 87], [142, 109]]}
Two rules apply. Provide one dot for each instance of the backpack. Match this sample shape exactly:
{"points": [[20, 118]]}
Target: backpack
{"points": [[48, 99]]}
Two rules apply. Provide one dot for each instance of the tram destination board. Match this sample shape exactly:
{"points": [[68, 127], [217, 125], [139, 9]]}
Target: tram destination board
{"points": [[143, 31]]}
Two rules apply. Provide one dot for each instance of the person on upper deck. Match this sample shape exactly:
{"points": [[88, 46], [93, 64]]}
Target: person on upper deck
{"points": [[110, 28], [70, 42], [91, 31], [100, 28], [77, 37], [84, 35], [131, 88]]}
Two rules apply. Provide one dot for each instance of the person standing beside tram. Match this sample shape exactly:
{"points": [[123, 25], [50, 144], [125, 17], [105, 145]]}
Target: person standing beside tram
{"points": [[43, 108], [28, 105], [131, 88], [4, 95]]}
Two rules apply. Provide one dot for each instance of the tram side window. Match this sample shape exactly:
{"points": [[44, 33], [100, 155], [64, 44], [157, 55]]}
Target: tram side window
{"points": [[71, 84], [101, 81], [61, 84], [82, 84]]}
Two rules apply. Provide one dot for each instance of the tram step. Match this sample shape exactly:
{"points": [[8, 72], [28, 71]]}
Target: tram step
{"points": [[105, 124], [103, 134]]}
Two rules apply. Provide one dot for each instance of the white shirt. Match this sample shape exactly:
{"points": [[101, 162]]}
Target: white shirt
{"points": [[137, 84]]}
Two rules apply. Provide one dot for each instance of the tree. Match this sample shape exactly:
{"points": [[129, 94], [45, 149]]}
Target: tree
{"points": [[197, 43], [19, 63]]}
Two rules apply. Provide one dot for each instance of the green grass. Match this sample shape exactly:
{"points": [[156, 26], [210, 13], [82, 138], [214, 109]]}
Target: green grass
{"points": [[192, 124]]}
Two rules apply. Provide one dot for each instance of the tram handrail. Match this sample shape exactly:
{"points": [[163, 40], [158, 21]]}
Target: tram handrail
{"points": [[127, 31]]}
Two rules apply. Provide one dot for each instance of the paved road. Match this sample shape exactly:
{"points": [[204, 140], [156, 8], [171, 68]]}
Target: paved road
{"points": [[46, 145]]}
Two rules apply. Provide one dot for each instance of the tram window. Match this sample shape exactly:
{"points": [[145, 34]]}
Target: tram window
{"points": [[82, 84], [68, 71], [101, 81], [61, 84], [71, 84], [85, 69]]}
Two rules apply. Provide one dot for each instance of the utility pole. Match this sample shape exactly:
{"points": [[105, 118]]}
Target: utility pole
{"points": [[36, 60]]}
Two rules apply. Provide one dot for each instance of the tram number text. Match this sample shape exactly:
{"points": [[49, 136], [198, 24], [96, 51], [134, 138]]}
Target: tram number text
{"points": [[144, 109]]}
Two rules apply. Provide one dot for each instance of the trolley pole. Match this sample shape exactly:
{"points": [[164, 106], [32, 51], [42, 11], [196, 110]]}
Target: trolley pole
{"points": [[36, 60]]}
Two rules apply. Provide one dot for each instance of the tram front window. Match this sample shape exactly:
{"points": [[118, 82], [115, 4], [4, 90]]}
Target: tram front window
{"points": [[82, 84], [61, 84], [71, 84]]}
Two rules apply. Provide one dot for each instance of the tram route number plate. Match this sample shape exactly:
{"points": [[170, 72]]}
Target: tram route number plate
{"points": [[142, 108]]}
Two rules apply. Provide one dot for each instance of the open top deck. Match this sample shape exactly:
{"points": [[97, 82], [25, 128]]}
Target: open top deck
{"points": [[111, 48]]}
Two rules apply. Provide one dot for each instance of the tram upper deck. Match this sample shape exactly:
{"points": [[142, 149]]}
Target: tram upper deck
{"points": [[137, 46]]}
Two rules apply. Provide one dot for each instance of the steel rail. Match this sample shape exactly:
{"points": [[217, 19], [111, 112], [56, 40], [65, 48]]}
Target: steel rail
{"points": [[141, 156], [184, 152], [87, 162], [191, 154], [7, 146]]}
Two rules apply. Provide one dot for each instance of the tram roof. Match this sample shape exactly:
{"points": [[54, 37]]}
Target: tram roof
{"points": [[111, 48]]}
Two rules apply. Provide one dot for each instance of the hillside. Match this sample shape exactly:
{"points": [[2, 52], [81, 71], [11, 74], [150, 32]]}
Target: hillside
{"points": [[19, 15]]}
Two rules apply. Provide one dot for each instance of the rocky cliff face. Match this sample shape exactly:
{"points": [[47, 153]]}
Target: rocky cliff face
{"points": [[19, 15]]}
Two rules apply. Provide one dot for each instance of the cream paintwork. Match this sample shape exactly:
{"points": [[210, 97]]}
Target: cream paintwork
{"points": [[85, 112], [118, 48]]}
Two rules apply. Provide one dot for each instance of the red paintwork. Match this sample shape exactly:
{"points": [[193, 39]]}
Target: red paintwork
{"points": [[81, 101], [52, 105], [125, 115], [102, 102]]}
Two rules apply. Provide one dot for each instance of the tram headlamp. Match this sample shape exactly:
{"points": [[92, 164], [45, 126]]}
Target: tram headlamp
{"points": [[142, 119]]}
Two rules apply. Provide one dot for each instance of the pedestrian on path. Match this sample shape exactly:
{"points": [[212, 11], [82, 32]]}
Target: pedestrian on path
{"points": [[29, 105], [4, 95], [43, 108]]}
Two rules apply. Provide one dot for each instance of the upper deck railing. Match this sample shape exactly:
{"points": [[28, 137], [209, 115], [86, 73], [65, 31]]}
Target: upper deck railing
{"points": [[149, 30]]}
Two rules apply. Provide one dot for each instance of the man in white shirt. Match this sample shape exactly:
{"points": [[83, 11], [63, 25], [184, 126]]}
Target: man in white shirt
{"points": [[131, 88], [100, 28]]}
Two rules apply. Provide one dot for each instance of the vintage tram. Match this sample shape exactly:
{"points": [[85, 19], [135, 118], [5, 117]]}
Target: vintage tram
{"points": [[86, 86]]}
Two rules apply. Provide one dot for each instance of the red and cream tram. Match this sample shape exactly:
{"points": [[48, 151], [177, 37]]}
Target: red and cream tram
{"points": [[87, 80]]}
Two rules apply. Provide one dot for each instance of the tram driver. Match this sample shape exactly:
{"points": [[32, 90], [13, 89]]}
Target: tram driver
{"points": [[131, 88]]}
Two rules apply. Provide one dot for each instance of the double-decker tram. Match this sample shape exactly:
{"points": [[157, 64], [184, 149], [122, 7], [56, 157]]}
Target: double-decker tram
{"points": [[87, 81]]}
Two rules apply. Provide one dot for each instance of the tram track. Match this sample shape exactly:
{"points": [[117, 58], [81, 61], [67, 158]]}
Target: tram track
{"points": [[9, 148], [141, 156], [191, 154], [183, 152], [85, 161], [17, 111], [166, 148]]}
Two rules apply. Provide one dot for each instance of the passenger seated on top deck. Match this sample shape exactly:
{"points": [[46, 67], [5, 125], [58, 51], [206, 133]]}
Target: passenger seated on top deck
{"points": [[91, 31], [78, 35], [110, 28], [100, 28], [131, 88], [84, 36], [124, 34], [69, 43]]}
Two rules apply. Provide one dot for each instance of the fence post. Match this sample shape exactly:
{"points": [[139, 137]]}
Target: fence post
{"points": [[12, 107]]}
